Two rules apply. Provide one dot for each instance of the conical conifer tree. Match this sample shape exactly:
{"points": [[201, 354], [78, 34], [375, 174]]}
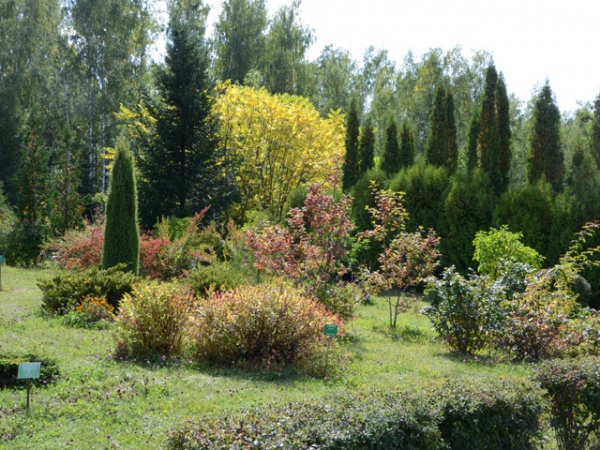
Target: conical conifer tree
{"points": [[474, 132], [351, 170], [121, 235], [450, 133], [436, 146], [407, 145], [546, 157], [596, 131], [504, 135], [390, 161], [367, 148]]}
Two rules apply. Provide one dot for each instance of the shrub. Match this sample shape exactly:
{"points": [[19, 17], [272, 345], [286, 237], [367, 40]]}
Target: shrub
{"points": [[494, 248], [265, 324], [24, 244], [153, 257], [63, 292], [461, 417], [573, 388], [9, 369], [92, 313], [466, 313], [80, 249], [493, 416], [217, 276], [153, 320], [537, 322], [347, 421]]}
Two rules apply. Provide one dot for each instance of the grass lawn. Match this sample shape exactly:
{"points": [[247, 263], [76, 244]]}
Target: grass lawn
{"points": [[100, 403]]}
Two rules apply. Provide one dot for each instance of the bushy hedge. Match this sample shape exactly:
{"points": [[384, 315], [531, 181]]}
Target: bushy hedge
{"points": [[63, 292], [461, 417], [9, 369]]}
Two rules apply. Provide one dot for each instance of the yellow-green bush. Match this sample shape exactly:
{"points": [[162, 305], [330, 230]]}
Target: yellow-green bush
{"points": [[153, 320]]}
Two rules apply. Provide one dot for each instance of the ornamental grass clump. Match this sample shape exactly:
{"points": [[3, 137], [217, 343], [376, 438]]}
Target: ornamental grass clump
{"points": [[268, 325]]}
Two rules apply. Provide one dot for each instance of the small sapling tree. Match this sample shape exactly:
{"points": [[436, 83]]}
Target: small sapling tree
{"points": [[407, 258]]}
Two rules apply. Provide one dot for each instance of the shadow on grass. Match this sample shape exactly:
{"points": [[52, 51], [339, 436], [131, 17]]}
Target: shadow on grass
{"points": [[479, 360], [403, 332]]}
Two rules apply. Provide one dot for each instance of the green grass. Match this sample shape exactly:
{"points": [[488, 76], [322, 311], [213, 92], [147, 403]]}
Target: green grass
{"points": [[102, 403]]}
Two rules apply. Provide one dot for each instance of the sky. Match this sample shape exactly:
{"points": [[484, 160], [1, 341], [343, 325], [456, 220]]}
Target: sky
{"points": [[530, 40]]}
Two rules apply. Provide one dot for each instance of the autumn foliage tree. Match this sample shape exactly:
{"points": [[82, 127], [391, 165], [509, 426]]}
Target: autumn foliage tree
{"points": [[407, 258], [279, 143], [312, 248]]}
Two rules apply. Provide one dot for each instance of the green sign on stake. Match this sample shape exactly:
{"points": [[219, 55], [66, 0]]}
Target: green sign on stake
{"points": [[28, 371], [329, 331]]}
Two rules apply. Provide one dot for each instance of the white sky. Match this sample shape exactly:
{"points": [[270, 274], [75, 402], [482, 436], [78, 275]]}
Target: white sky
{"points": [[530, 40]]}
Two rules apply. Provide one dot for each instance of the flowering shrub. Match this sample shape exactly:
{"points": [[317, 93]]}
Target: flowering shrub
{"points": [[266, 324], [153, 320]]}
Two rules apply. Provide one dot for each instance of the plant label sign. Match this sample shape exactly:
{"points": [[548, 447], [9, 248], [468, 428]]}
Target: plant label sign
{"points": [[29, 370], [331, 330]]}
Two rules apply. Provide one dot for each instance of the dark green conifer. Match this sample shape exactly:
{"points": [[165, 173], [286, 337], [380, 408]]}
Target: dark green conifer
{"points": [[390, 161], [596, 131], [546, 158], [450, 133], [504, 135], [351, 170], [474, 132], [367, 147], [121, 235], [407, 145], [436, 142]]}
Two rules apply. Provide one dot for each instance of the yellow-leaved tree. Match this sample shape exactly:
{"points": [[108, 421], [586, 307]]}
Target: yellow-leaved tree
{"points": [[278, 142]]}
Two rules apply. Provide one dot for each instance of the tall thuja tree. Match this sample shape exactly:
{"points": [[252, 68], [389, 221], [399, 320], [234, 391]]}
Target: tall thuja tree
{"points": [[240, 37], [435, 151], [546, 158], [183, 169], [442, 147], [390, 161], [122, 235], [407, 145], [596, 131], [351, 168], [367, 147], [472, 145], [504, 135], [495, 134], [450, 133]]}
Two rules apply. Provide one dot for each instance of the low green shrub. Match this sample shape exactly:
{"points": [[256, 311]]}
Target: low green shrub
{"points": [[573, 388], [217, 276], [461, 417], [347, 421], [495, 416], [9, 369], [153, 320], [466, 313], [65, 291], [267, 324], [24, 244]]}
